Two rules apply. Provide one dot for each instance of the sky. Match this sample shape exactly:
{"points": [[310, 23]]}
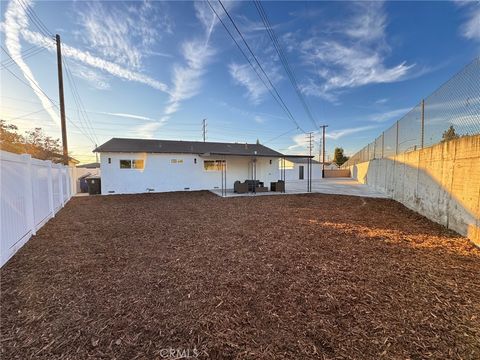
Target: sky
{"points": [[151, 69]]}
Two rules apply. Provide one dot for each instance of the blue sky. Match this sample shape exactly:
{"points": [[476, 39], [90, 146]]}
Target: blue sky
{"points": [[156, 69]]}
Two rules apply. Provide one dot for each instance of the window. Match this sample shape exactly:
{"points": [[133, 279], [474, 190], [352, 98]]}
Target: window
{"points": [[109, 160], [131, 164], [137, 164], [173, 161], [195, 160], [176, 161], [213, 165], [125, 164]]}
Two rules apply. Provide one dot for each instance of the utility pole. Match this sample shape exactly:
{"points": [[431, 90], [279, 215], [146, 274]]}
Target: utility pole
{"points": [[204, 129], [309, 162], [323, 149], [62, 100]]}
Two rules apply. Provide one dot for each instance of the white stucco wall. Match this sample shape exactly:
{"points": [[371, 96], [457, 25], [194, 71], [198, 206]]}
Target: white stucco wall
{"points": [[292, 171], [161, 175]]}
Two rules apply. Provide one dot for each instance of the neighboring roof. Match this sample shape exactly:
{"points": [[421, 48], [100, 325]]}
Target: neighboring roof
{"points": [[94, 165], [185, 147], [301, 160]]}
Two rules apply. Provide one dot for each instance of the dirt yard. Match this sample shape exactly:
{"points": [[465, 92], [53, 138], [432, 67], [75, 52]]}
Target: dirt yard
{"points": [[272, 277]]}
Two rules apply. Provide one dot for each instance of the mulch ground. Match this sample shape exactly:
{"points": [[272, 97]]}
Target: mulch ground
{"points": [[271, 277]]}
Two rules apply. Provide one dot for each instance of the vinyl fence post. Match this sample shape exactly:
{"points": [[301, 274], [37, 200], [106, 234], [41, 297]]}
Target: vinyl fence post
{"points": [[29, 212], [50, 189], [62, 197], [422, 126]]}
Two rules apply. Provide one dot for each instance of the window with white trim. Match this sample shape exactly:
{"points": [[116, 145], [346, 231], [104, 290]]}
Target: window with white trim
{"points": [[132, 164]]}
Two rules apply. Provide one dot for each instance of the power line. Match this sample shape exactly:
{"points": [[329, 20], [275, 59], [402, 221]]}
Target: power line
{"points": [[34, 50], [277, 97], [40, 89], [279, 136], [283, 59], [35, 19], [25, 75], [30, 113], [78, 101]]}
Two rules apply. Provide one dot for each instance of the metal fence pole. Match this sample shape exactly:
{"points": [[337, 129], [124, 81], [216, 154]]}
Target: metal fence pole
{"points": [[396, 146], [383, 143], [422, 129]]}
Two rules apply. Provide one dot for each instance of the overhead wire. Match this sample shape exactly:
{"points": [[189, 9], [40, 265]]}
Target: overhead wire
{"points": [[273, 91], [34, 50], [78, 101], [283, 59], [32, 15], [41, 90]]}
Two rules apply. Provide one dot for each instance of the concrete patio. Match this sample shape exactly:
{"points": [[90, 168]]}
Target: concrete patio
{"points": [[337, 186]]}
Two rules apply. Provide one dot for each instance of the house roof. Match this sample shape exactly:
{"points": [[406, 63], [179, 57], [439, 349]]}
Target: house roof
{"points": [[94, 165], [300, 160], [185, 147]]}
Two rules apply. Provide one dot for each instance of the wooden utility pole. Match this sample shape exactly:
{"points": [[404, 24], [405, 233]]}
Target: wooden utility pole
{"points": [[309, 161], [323, 149], [62, 100], [204, 129]]}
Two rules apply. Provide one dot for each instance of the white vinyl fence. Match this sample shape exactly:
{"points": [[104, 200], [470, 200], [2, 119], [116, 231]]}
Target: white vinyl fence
{"points": [[31, 192]]}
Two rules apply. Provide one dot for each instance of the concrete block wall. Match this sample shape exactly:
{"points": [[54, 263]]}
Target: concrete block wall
{"points": [[337, 173], [441, 182]]}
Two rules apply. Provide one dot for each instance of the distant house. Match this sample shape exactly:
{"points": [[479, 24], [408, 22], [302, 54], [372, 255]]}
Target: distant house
{"points": [[296, 168], [144, 165], [82, 172], [95, 165]]}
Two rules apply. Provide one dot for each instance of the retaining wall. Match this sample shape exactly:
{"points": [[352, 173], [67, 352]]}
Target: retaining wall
{"points": [[441, 182]]}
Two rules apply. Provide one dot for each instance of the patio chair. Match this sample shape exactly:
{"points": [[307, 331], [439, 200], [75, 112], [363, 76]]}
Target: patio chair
{"points": [[278, 186], [240, 188]]}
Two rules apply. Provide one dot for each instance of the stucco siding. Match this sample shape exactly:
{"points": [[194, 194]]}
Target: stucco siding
{"points": [[160, 174]]}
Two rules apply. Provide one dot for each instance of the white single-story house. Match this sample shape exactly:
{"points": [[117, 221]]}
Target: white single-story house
{"points": [[144, 165], [296, 168]]}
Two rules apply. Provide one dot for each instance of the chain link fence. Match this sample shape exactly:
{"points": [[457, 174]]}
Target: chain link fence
{"points": [[451, 111]]}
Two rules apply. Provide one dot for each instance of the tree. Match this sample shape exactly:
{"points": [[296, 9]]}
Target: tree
{"points": [[338, 156], [10, 140], [34, 142], [449, 134]]}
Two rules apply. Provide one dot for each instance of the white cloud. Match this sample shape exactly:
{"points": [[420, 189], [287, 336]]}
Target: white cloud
{"points": [[471, 29], [259, 119], [94, 78], [96, 62], [129, 116], [389, 115], [337, 134], [352, 54], [16, 21], [245, 76], [147, 131], [123, 33], [197, 53]]}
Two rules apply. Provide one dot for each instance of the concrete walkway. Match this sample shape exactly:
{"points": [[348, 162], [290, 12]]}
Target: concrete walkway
{"points": [[338, 186]]}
